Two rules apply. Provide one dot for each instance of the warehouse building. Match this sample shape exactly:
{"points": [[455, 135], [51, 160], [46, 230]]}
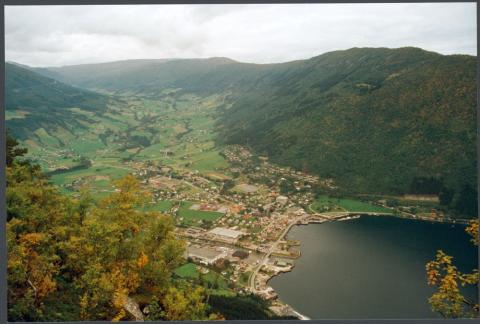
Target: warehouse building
{"points": [[205, 254], [225, 234]]}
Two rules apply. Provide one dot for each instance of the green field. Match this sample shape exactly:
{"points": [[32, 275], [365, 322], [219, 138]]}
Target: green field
{"points": [[243, 279], [325, 203], [161, 206], [108, 171], [187, 271], [85, 146], [192, 217], [209, 161], [140, 130], [214, 279]]}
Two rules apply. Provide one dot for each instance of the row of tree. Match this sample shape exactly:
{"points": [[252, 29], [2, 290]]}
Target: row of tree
{"points": [[463, 201]]}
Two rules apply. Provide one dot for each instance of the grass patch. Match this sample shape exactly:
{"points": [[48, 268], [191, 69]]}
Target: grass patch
{"points": [[325, 203], [360, 206], [243, 278], [187, 271], [46, 138], [161, 206], [9, 114], [208, 161], [85, 146], [68, 177], [194, 216], [215, 281]]}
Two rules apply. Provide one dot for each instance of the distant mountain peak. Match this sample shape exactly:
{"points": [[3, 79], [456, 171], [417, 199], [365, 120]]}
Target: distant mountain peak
{"points": [[222, 59]]}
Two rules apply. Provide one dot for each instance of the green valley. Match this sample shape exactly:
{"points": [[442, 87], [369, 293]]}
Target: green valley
{"points": [[174, 130], [375, 120], [233, 155]]}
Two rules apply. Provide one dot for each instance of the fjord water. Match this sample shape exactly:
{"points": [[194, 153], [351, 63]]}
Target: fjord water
{"points": [[371, 267]]}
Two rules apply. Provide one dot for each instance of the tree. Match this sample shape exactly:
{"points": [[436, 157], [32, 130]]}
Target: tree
{"points": [[122, 251], [185, 304], [85, 162], [12, 150], [80, 259], [286, 187], [206, 223], [467, 200], [446, 195], [444, 275], [227, 185], [38, 217], [241, 307]]}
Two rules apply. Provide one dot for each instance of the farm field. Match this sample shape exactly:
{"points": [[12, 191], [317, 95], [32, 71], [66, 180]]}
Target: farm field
{"points": [[196, 217], [171, 130], [325, 203]]}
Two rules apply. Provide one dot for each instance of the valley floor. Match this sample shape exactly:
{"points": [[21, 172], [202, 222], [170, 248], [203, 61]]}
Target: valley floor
{"points": [[228, 203]]}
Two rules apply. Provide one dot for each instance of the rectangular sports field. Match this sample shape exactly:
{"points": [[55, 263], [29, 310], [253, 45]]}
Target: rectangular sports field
{"points": [[350, 205], [195, 215]]}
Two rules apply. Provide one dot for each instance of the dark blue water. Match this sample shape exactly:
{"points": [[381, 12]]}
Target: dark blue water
{"points": [[371, 267]]}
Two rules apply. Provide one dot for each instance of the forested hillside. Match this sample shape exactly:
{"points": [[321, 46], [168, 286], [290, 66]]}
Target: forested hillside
{"points": [[96, 236], [34, 102], [375, 120]]}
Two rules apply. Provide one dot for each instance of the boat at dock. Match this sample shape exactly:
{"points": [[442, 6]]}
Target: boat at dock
{"points": [[349, 218]]}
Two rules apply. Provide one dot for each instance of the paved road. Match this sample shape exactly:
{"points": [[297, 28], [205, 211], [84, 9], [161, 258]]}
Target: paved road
{"points": [[251, 281], [326, 216]]}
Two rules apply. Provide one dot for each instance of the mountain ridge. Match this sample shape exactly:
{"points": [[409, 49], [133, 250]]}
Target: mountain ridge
{"points": [[357, 115], [43, 102], [374, 119], [241, 62]]}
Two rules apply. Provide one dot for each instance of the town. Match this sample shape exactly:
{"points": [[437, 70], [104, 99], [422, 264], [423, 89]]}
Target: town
{"points": [[235, 220]]}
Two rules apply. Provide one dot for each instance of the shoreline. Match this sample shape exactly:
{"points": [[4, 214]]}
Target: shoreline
{"points": [[461, 221], [299, 315], [292, 310]]}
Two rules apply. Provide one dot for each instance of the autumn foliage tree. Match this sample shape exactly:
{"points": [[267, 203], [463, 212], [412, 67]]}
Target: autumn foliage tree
{"points": [[448, 299], [37, 220], [128, 251], [81, 259]]}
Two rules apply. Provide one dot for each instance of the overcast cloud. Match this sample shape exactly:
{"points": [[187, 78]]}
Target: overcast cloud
{"points": [[63, 35]]}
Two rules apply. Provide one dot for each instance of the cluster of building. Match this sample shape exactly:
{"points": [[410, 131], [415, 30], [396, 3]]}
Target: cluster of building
{"points": [[206, 254], [256, 214], [225, 235], [209, 255], [237, 153]]}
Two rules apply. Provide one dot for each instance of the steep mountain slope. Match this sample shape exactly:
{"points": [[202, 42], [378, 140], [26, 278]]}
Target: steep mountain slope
{"points": [[36, 103], [373, 119]]}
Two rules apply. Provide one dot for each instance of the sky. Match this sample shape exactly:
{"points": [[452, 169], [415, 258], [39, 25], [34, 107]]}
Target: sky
{"points": [[269, 33]]}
